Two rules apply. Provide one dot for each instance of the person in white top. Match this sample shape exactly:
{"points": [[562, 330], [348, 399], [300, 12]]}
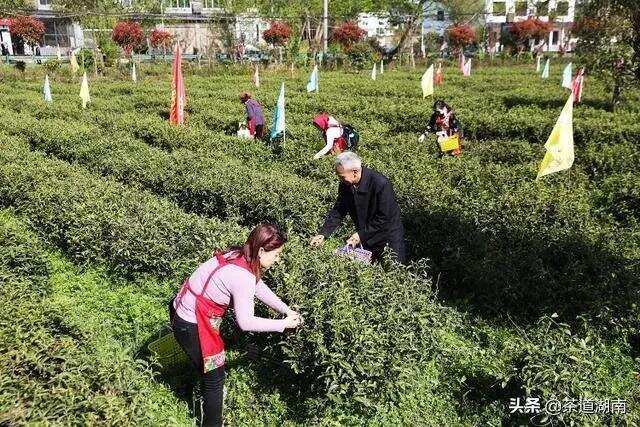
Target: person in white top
{"points": [[332, 132]]}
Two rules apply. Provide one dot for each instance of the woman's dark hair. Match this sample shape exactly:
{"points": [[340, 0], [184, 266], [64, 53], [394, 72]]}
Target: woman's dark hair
{"points": [[440, 104], [267, 236], [245, 96]]}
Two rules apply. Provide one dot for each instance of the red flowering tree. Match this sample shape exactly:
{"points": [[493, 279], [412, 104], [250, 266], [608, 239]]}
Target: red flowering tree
{"points": [[348, 34], [161, 39], [128, 35], [460, 36], [532, 28], [278, 33], [28, 29]]}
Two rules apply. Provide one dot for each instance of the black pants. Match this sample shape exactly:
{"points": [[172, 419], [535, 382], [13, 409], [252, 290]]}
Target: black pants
{"points": [[398, 251], [259, 132], [186, 334]]}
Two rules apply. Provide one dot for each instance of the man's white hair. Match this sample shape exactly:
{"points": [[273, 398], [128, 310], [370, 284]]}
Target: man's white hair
{"points": [[349, 160]]}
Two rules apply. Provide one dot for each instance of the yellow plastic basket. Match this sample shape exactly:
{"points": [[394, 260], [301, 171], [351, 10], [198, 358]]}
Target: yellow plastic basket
{"points": [[168, 352], [450, 143]]}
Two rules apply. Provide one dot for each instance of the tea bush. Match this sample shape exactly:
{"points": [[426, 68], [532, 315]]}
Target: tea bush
{"points": [[448, 341]]}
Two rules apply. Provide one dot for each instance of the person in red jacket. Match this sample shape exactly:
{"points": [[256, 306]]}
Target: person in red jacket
{"points": [[332, 133]]}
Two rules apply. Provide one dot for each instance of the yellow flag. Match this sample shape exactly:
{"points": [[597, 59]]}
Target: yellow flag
{"points": [[84, 91], [74, 62], [427, 82], [559, 146]]}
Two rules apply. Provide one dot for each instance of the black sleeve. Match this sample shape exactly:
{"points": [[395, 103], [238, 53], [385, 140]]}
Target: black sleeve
{"points": [[454, 125], [375, 231], [335, 215], [431, 127]]}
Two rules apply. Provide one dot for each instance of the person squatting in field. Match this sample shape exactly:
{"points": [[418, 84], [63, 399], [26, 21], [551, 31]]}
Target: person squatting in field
{"points": [[255, 116], [444, 124], [198, 309], [368, 197], [332, 133]]}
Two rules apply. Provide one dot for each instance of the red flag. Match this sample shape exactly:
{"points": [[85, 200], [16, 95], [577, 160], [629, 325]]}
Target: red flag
{"points": [[577, 85], [178, 94], [439, 78]]}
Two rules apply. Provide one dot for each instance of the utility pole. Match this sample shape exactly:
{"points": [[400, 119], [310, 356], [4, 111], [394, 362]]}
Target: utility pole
{"points": [[325, 19]]}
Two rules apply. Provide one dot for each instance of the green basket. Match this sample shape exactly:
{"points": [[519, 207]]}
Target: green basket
{"points": [[167, 352]]}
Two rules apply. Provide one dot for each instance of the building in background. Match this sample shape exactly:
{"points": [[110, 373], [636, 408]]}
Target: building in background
{"points": [[436, 18], [377, 26], [5, 35], [59, 31], [500, 14], [435, 21]]}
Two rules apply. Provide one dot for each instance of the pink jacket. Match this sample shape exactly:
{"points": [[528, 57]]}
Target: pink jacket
{"points": [[237, 287]]}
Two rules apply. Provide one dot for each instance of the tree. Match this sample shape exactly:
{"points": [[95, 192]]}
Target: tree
{"points": [[531, 28], [460, 36], [28, 29], [161, 39], [128, 35], [464, 11], [608, 34], [277, 34], [13, 5], [348, 34]]}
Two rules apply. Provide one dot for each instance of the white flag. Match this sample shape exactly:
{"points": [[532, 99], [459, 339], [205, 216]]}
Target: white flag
{"points": [[382, 66], [466, 71], [567, 77], [134, 75], [374, 71], [47, 89], [84, 91], [256, 77]]}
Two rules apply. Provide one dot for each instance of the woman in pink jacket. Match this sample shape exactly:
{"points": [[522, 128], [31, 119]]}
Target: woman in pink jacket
{"points": [[232, 276]]}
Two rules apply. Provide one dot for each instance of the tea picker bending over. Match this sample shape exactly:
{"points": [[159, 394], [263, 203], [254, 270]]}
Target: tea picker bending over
{"points": [[255, 116], [197, 311], [368, 198], [445, 125], [337, 137]]}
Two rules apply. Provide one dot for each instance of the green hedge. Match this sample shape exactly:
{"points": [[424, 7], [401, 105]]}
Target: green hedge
{"points": [[52, 370]]}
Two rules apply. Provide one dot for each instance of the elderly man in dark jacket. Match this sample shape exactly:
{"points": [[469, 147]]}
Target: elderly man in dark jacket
{"points": [[368, 198]]}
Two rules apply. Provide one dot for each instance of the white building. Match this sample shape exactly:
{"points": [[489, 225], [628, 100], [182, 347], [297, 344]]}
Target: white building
{"points": [[500, 14], [377, 26], [59, 31], [436, 18]]}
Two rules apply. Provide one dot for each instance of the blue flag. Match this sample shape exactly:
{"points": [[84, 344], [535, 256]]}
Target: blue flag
{"points": [[313, 80], [545, 71], [278, 123]]}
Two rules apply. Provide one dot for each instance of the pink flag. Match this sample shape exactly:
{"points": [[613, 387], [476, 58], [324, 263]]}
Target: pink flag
{"points": [[466, 69], [178, 94], [577, 85], [461, 63], [439, 78]]}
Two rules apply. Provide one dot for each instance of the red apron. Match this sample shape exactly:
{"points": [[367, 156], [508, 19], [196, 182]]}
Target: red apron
{"points": [[251, 125], [209, 316], [339, 144]]}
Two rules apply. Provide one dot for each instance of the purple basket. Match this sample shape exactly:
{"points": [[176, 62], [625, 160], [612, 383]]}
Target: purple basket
{"points": [[357, 253]]}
